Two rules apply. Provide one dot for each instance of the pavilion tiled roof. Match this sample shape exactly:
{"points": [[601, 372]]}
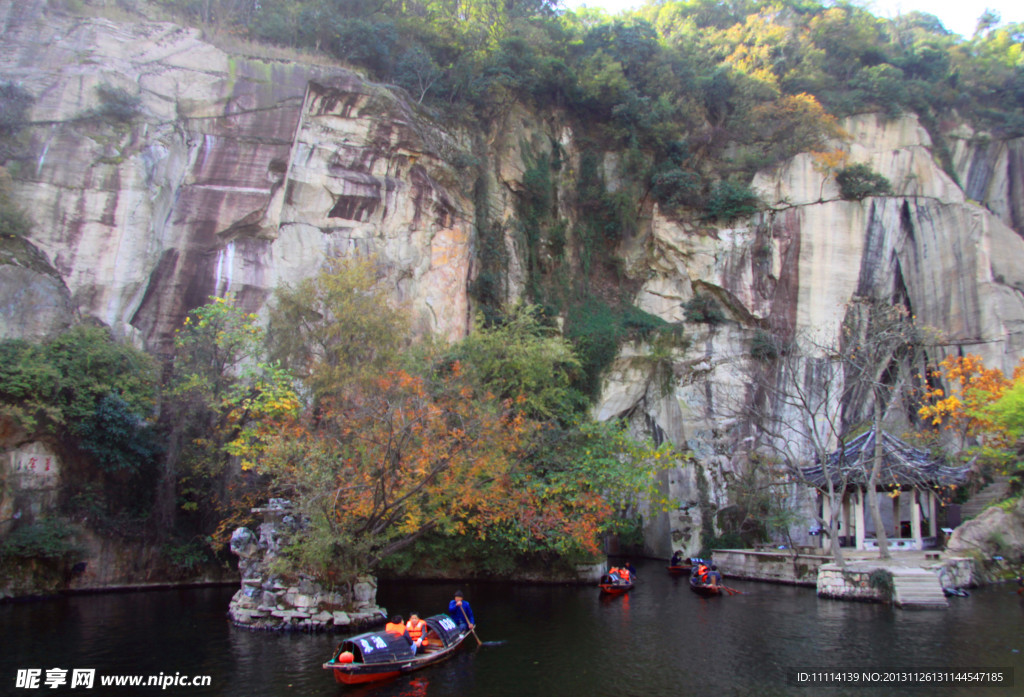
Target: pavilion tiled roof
{"points": [[902, 465]]}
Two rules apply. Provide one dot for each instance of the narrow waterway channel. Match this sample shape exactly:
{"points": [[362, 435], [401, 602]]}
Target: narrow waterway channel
{"points": [[563, 641]]}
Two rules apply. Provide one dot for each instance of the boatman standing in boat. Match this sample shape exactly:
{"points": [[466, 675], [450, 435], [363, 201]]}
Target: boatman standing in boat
{"points": [[460, 611]]}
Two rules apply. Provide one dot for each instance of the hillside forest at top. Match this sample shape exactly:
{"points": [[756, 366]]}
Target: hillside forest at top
{"points": [[683, 79]]}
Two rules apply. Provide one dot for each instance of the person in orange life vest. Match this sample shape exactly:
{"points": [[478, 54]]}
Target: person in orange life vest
{"points": [[417, 629], [615, 574], [397, 627], [702, 572], [624, 574]]}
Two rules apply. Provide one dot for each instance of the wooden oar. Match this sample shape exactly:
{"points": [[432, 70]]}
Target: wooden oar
{"points": [[732, 591], [470, 625]]}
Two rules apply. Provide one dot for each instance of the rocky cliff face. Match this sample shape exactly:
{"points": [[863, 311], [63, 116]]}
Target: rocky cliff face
{"points": [[795, 267], [242, 173], [238, 174]]}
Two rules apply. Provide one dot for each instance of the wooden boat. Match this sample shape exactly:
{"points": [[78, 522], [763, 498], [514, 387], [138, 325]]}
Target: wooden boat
{"points": [[703, 589], [378, 655], [679, 569], [614, 586]]}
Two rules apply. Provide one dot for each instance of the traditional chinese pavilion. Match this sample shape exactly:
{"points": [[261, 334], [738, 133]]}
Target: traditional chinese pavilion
{"points": [[910, 480]]}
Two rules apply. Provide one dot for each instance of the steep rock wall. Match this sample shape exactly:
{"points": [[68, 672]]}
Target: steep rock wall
{"points": [[240, 173], [794, 268]]}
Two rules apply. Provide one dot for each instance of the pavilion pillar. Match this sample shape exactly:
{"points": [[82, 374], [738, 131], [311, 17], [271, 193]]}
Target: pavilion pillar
{"points": [[846, 515], [896, 515], [826, 515], [915, 518], [933, 513], [858, 514]]}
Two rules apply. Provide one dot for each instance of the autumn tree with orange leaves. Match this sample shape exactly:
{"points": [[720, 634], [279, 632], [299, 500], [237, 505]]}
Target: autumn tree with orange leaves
{"points": [[373, 471], [977, 404], [377, 470], [960, 394]]}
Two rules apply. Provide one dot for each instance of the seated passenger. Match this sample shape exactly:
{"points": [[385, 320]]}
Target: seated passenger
{"points": [[714, 577], [417, 629], [397, 627]]}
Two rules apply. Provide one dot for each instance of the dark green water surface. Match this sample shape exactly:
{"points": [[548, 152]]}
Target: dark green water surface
{"points": [[540, 641]]}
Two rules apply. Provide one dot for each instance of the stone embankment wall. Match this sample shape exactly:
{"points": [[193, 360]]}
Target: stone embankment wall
{"points": [[854, 582], [834, 582], [267, 600], [777, 567]]}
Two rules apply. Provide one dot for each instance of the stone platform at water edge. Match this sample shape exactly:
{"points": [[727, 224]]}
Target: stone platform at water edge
{"points": [[919, 577]]}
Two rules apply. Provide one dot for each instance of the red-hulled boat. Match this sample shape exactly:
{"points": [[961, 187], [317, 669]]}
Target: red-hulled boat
{"points": [[613, 585], [379, 655]]}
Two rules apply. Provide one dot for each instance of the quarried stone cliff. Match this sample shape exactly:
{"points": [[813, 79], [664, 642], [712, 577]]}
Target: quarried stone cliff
{"points": [[234, 174]]}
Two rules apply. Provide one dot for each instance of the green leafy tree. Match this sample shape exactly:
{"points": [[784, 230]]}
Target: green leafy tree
{"points": [[730, 200], [858, 181], [54, 387], [524, 360], [223, 393], [334, 328], [94, 396]]}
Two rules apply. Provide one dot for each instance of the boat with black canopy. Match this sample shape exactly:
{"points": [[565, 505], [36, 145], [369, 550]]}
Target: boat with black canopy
{"points": [[613, 584], [379, 655]]}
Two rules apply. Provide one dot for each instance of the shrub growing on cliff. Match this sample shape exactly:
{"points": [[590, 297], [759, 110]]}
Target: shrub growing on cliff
{"points": [[523, 359], [61, 383], [857, 182], [47, 538], [703, 307], [15, 102], [13, 220], [117, 105], [730, 200], [765, 346]]}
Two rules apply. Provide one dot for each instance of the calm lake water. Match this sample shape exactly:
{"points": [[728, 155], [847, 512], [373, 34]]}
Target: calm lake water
{"points": [[564, 641]]}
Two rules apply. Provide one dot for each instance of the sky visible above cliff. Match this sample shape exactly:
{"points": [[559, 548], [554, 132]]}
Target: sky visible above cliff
{"points": [[956, 15]]}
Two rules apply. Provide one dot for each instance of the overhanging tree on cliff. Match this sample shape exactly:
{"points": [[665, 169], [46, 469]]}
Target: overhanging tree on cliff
{"points": [[813, 393], [795, 407], [880, 349]]}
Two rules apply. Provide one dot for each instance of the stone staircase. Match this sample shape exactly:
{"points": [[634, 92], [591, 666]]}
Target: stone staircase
{"points": [[917, 589], [995, 491]]}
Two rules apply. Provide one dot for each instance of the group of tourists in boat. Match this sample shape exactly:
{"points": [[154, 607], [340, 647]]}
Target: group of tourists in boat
{"points": [[403, 646], [618, 580], [705, 578]]}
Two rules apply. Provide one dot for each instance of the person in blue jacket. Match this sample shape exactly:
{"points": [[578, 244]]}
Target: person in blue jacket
{"points": [[460, 611]]}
